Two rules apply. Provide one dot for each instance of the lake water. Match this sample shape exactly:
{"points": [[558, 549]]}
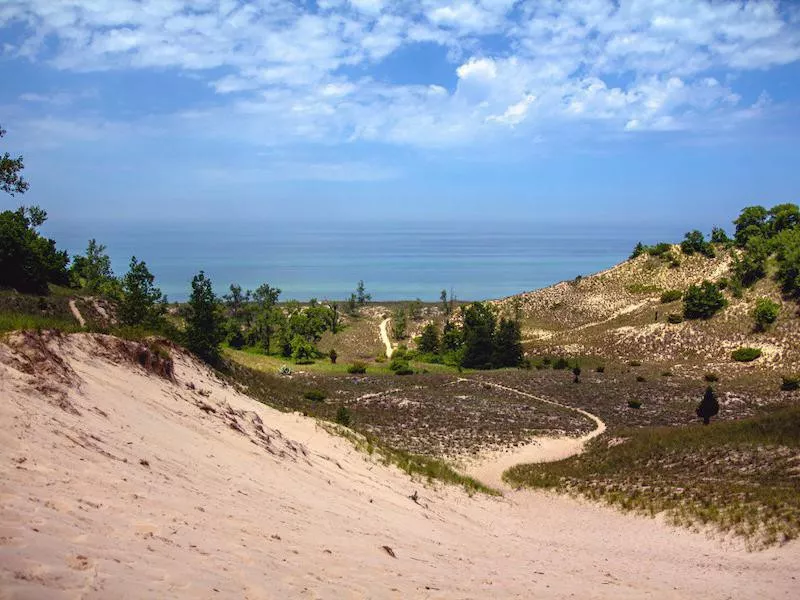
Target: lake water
{"points": [[396, 260]]}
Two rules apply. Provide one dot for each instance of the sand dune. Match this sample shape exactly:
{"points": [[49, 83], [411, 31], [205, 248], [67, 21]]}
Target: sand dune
{"points": [[116, 482]]}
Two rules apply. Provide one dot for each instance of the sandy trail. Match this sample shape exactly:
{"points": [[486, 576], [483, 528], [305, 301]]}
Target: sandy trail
{"points": [[76, 313], [116, 483], [385, 338], [489, 467]]}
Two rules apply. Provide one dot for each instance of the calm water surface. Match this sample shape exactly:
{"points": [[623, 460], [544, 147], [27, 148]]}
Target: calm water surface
{"points": [[396, 260]]}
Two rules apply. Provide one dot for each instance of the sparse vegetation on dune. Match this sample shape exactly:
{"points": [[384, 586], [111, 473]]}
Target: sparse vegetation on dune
{"points": [[739, 476]]}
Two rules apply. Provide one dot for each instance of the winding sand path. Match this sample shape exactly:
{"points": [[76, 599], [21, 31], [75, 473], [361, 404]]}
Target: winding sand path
{"points": [[385, 338], [76, 313], [489, 467]]}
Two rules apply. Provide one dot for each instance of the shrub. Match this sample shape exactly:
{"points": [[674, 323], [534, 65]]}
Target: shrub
{"points": [[765, 313], [640, 378], [671, 296], [703, 301], [709, 406], [790, 383], [694, 241], [357, 368], [400, 365], [333, 356], [429, 340], [666, 373], [659, 249], [600, 369], [674, 318], [711, 377], [576, 372], [723, 283], [285, 370], [343, 416], [236, 339], [561, 363], [634, 363], [746, 354], [634, 404], [314, 395]]}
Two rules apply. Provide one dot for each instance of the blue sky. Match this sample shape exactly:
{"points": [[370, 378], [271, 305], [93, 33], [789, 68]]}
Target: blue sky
{"points": [[591, 109]]}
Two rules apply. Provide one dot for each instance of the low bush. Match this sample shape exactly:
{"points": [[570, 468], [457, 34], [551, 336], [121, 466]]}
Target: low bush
{"points": [[640, 378], [285, 370], [790, 383], [674, 318], [600, 369], [343, 416], [746, 354], [634, 404], [765, 313], [634, 363], [671, 296], [666, 373], [711, 377], [703, 301], [561, 363], [314, 395], [357, 368]]}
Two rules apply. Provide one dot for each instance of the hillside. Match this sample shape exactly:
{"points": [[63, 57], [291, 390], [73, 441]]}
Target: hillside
{"points": [[617, 314], [126, 473]]}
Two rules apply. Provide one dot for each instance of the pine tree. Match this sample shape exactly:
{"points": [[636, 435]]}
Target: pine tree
{"points": [[709, 406], [204, 323]]}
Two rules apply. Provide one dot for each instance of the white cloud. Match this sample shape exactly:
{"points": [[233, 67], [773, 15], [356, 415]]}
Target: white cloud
{"points": [[284, 73]]}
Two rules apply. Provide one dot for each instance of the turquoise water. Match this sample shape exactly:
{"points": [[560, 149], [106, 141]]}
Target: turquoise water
{"points": [[395, 260]]}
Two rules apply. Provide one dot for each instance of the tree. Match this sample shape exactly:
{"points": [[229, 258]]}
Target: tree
{"points": [[782, 217], [750, 266], [787, 255], [709, 406], [204, 320], [362, 297], [452, 338], [751, 221], [93, 272], [415, 310], [508, 344], [478, 331], [399, 324], [638, 250], [29, 261], [718, 236], [333, 325], [11, 180], [302, 350], [429, 340], [765, 313], [443, 300], [142, 303], [703, 301], [235, 300], [694, 241], [576, 372]]}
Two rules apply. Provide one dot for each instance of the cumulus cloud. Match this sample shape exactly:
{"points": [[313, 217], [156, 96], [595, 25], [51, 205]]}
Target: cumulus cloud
{"points": [[284, 72]]}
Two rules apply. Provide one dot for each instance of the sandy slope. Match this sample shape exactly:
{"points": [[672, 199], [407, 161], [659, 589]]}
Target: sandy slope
{"points": [[239, 501]]}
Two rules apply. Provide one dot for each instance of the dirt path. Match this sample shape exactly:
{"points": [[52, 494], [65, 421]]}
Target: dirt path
{"points": [[489, 467], [385, 338], [76, 313]]}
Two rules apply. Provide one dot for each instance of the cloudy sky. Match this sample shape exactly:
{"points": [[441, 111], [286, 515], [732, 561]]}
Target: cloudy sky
{"points": [[636, 109]]}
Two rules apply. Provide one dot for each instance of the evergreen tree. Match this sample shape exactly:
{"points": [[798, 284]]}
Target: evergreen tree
{"points": [[142, 303], [508, 344], [204, 322], [478, 331], [709, 406], [703, 301], [429, 340]]}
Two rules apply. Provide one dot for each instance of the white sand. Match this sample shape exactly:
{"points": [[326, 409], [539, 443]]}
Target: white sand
{"points": [[385, 338], [292, 512]]}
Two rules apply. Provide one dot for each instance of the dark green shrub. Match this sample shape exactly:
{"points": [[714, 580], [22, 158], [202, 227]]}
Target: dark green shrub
{"points": [[674, 318], [765, 313], [634, 363], [314, 395], [634, 404], [703, 301], [641, 378], [746, 354], [236, 339], [357, 368], [333, 355], [600, 369], [709, 406], [400, 365], [659, 249], [711, 377], [429, 341], [561, 363], [790, 383], [343, 416], [671, 296]]}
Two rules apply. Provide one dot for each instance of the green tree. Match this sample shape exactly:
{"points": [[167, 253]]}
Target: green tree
{"points": [[415, 310], [508, 344], [478, 331], [29, 261], [235, 300], [718, 236], [429, 340], [93, 272], [782, 217], [11, 180], [452, 338], [694, 241], [204, 320], [362, 297], [142, 303], [443, 300], [787, 256], [638, 250], [709, 406], [333, 323], [399, 324], [765, 313], [752, 221], [750, 265], [703, 301], [303, 351]]}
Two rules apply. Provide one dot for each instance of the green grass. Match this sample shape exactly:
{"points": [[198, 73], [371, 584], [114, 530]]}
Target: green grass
{"points": [[12, 321], [738, 476], [416, 465]]}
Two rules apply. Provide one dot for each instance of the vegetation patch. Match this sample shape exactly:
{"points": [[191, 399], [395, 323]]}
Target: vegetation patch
{"points": [[740, 476], [746, 354]]}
